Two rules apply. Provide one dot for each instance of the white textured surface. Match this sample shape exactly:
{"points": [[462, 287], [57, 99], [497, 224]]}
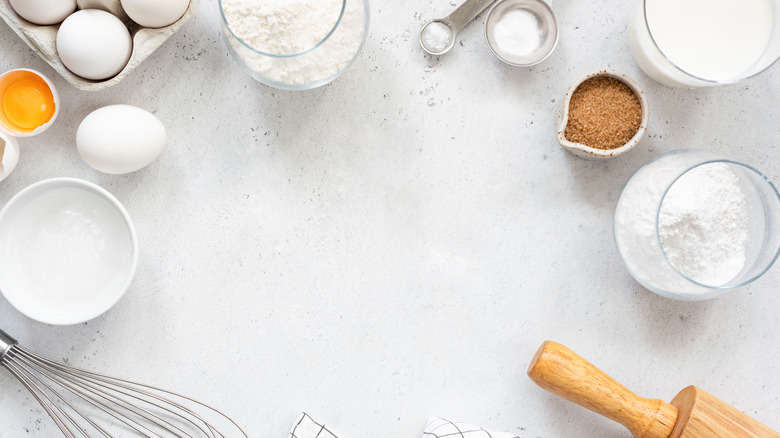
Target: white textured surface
{"points": [[397, 245]]}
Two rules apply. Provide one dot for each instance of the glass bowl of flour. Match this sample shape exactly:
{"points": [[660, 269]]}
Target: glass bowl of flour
{"points": [[295, 44], [692, 225]]}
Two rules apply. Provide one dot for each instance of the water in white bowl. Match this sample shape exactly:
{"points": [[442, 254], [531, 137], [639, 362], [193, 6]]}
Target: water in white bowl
{"points": [[67, 248]]}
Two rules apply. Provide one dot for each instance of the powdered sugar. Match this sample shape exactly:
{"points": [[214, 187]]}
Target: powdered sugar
{"points": [[295, 29], [517, 32], [726, 191], [703, 224]]}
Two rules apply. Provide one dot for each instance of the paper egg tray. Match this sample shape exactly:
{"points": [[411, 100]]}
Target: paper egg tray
{"points": [[42, 39]]}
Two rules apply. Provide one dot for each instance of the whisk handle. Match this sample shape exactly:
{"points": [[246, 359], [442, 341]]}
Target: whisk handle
{"points": [[6, 342]]}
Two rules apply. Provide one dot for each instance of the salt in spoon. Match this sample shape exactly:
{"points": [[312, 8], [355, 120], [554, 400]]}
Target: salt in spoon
{"points": [[438, 36]]}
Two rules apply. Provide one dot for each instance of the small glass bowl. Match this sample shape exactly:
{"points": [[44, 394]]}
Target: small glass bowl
{"points": [[636, 225], [313, 67]]}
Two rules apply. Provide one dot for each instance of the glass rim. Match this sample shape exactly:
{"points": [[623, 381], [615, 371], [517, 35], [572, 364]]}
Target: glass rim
{"points": [[288, 55], [727, 286], [711, 81]]}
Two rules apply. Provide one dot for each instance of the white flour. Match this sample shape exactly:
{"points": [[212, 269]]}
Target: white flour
{"points": [[288, 27], [281, 27], [703, 224]]}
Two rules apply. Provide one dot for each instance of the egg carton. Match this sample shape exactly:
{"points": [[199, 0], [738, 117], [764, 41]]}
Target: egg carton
{"points": [[42, 39]]}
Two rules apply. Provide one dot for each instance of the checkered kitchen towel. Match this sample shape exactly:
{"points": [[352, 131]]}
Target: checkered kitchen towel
{"points": [[306, 427], [441, 428]]}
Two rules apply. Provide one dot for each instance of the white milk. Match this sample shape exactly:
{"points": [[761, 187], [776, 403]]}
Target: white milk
{"points": [[716, 40], [68, 247]]}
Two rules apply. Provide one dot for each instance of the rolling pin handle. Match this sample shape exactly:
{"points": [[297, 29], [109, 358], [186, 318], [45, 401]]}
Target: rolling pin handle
{"points": [[559, 370]]}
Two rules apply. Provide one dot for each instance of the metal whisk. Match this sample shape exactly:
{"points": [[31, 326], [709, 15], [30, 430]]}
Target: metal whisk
{"points": [[86, 404]]}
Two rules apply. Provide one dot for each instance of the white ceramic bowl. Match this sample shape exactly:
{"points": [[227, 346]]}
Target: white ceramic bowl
{"points": [[594, 153], [68, 251]]}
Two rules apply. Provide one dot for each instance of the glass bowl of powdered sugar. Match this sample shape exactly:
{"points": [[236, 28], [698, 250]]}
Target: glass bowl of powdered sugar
{"points": [[295, 44], [691, 225]]}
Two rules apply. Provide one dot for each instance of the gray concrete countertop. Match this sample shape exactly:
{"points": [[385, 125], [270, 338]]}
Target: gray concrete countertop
{"points": [[397, 244]]}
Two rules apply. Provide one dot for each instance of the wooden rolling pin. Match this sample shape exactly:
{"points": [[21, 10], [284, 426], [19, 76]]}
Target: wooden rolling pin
{"points": [[692, 413]]}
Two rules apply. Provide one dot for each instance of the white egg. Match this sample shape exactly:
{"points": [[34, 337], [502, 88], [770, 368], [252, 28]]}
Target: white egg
{"points": [[94, 44], [44, 12], [155, 13], [120, 139], [9, 155]]}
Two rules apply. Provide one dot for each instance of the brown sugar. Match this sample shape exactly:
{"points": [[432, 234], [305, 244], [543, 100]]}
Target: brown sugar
{"points": [[604, 113]]}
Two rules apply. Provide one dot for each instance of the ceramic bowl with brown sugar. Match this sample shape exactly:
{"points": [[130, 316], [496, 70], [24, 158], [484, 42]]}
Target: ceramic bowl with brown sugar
{"points": [[599, 118]]}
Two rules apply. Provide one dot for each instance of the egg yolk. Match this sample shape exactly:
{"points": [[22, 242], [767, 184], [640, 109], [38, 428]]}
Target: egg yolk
{"points": [[28, 103]]}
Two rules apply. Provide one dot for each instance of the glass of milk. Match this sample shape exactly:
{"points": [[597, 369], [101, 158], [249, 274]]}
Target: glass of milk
{"points": [[642, 248], [701, 43]]}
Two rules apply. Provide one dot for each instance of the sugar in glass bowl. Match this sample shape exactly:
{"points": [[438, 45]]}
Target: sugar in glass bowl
{"points": [[295, 45], [638, 214]]}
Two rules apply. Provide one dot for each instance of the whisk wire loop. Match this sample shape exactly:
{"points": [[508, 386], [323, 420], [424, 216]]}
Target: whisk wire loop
{"points": [[134, 390], [51, 408], [82, 403], [98, 391]]}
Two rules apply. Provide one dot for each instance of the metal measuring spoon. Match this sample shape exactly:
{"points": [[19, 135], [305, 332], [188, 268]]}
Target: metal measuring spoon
{"points": [[438, 36], [547, 25]]}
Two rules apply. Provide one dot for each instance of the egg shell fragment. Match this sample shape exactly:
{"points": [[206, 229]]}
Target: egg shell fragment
{"points": [[118, 139], [9, 155]]}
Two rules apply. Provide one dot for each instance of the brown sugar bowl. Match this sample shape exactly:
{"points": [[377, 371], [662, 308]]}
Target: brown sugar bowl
{"points": [[604, 114]]}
